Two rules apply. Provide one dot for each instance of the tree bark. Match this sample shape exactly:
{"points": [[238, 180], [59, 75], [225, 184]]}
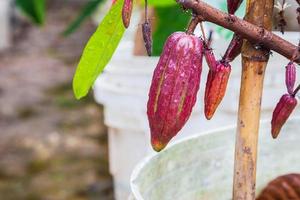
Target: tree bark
{"points": [[254, 62], [253, 32]]}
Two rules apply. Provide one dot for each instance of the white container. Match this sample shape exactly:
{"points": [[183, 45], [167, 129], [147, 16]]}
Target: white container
{"points": [[123, 90], [4, 24], [201, 167]]}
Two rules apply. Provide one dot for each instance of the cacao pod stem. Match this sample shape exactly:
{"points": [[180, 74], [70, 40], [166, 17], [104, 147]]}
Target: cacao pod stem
{"points": [[147, 32], [210, 58], [234, 48]]}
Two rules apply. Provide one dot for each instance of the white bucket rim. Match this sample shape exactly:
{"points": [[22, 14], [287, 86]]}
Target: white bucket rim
{"points": [[136, 171]]}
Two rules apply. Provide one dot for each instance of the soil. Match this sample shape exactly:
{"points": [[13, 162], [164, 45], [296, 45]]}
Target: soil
{"points": [[52, 147]]}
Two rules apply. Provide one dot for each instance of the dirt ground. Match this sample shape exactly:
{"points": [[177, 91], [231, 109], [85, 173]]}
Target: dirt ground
{"points": [[52, 147]]}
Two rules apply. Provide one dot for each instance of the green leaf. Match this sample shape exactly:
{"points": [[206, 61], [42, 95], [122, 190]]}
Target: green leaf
{"points": [[161, 3], [99, 50], [87, 11], [34, 9]]}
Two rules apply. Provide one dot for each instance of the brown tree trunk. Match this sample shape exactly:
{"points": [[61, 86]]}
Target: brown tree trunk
{"points": [[259, 12]]}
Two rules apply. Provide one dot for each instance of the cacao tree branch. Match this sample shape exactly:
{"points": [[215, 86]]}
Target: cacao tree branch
{"points": [[256, 34]]}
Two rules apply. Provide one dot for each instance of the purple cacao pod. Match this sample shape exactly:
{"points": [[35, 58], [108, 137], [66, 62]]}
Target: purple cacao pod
{"points": [[234, 48], [290, 77], [233, 5], [283, 110], [126, 12], [147, 36], [216, 85], [174, 87]]}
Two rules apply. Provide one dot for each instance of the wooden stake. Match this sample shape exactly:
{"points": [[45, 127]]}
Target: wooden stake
{"points": [[254, 60]]}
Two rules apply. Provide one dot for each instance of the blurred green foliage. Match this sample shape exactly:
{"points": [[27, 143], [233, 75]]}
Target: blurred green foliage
{"points": [[169, 19], [90, 7], [34, 9], [162, 3]]}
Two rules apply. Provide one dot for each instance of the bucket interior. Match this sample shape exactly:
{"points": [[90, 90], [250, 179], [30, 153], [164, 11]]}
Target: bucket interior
{"points": [[202, 167]]}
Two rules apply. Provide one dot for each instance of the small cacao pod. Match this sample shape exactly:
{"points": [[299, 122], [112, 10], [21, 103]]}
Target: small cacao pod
{"points": [[283, 110], [174, 87], [285, 187], [147, 36], [210, 58], [233, 5], [234, 49], [290, 77], [216, 85], [126, 12]]}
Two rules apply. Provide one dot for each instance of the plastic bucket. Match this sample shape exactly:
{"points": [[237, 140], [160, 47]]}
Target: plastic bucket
{"points": [[201, 167]]}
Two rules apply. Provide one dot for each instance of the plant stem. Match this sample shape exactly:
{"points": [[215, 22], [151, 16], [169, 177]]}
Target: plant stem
{"points": [[254, 65], [146, 11], [255, 33], [192, 25], [296, 90], [203, 32]]}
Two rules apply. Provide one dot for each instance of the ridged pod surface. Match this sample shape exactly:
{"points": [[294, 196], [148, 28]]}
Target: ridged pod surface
{"points": [[233, 5], [126, 12], [174, 87], [285, 187], [283, 110], [290, 77], [216, 85]]}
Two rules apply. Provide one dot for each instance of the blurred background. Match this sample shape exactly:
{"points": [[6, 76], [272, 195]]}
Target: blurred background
{"points": [[53, 147]]}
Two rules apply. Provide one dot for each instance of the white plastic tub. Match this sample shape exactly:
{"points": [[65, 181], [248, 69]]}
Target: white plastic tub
{"points": [[201, 167], [123, 90], [4, 24]]}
